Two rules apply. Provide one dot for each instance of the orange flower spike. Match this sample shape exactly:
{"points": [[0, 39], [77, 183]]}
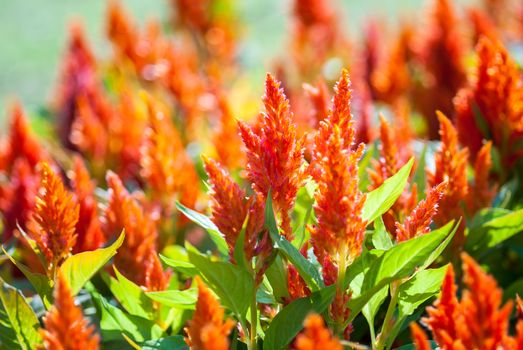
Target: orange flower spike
{"points": [[53, 225], [274, 154], [418, 222], [207, 330], [481, 193], [334, 167], [387, 165], [319, 98], [443, 316], [165, 164], [65, 327], [450, 166], [316, 336], [229, 207], [124, 212], [156, 279], [89, 230], [21, 143], [485, 324], [419, 338]]}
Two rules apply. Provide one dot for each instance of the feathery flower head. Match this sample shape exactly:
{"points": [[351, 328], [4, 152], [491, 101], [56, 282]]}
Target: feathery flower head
{"points": [[318, 96], [441, 52], [274, 154], [20, 142], [53, 224], [207, 329], [316, 336], [230, 207], [418, 222], [481, 193], [89, 230], [124, 212], [65, 327], [165, 164], [478, 321], [496, 93], [78, 77], [450, 167], [156, 279], [334, 167], [419, 338]]}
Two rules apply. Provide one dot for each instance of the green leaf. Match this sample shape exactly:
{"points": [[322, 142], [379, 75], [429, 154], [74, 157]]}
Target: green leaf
{"points": [[206, 223], [289, 321], [373, 305], [419, 177], [181, 266], [41, 283], [17, 320], [79, 268], [239, 248], [420, 288], [493, 232], [403, 260], [233, 284], [175, 342], [305, 268], [114, 322], [381, 199], [129, 295], [277, 276], [180, 299], [381, 238], [432, 343]]}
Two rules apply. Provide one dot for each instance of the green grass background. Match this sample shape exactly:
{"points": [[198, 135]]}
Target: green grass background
{"points": [[33, 34]]}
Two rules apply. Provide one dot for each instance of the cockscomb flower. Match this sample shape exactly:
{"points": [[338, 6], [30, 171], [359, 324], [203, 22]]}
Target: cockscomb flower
{"points": [[441, 52], [53, 224], [20, 142], [316, 336], [230, 207], [17, 198], [78, 77], [89, 230], [274, 154], [225, 139], [65, 327], [451, 167], [123, 212], [495, 95], [418, 222], [419, 338], [334, 166], [318, 96], [156, 279], [166, 167], [478, 321], [481, 193], [337, 237], [207, 330]]}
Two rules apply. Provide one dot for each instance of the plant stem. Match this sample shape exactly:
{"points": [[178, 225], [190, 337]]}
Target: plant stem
{"points": [[388, 322], [254, 321]]}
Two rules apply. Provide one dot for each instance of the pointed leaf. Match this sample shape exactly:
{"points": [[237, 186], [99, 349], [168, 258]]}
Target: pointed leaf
{"points": [[180, 299]]}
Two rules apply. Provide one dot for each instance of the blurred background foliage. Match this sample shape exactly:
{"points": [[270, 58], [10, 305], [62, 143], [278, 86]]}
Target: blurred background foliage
{"points": [[33, 34]]}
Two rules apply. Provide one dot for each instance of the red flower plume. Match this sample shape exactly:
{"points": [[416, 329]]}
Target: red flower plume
{"points": [[316, 336], [274, 155]]}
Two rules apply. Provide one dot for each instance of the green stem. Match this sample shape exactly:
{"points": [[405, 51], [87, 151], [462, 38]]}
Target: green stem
{"points": [[254, 320], [388, 323]]}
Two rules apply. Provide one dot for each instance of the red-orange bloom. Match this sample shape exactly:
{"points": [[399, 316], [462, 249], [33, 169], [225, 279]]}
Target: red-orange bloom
{"points": [[53, 225], [418, 222], [156, 279], [165, 164], [477, 321], [89, 230], [230, 208], [124, 212], [78, 77], [207, 330], [451, 166], [419, 338], [274, 154], [481, 193], [316, 336], [65, 327], [496, 96], [339, 202], [441, 52]]}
